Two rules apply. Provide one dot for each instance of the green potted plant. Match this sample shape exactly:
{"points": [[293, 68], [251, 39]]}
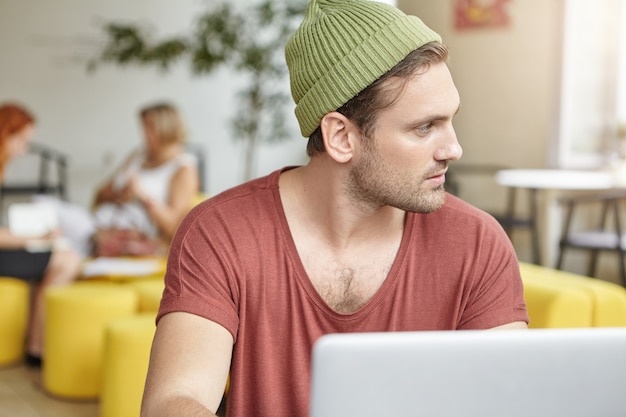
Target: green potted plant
{"points": [[250, 43]]}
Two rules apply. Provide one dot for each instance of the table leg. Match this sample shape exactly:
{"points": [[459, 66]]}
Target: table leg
{"points": [[549, 218]]}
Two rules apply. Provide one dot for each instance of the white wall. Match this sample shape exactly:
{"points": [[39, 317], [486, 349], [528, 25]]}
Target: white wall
{"points": [[93, 117], [508, 79]]}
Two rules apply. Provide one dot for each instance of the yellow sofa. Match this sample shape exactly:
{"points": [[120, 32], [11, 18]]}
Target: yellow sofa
{"points": [[76, 316], [77, 319], [557, 299], [125, 364], [14, 311]]}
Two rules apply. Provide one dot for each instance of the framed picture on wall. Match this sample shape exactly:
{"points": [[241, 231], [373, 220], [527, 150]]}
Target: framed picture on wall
{"points": [[473, 14]]}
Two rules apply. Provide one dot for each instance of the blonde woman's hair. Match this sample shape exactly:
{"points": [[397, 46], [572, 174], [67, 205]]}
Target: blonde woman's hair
{"points": [[166, 122]]}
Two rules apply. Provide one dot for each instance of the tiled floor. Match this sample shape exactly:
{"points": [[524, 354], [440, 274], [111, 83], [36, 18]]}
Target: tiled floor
{"points": [[21, 395]]}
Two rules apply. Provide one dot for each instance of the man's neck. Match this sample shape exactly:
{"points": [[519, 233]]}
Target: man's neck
{"points": [[317, 197]]}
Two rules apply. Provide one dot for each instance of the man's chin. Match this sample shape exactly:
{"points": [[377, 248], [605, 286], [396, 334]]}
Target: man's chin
{"points": [[428, 204]]}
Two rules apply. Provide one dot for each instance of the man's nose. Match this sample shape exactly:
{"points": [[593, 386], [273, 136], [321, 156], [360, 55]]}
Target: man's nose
{"points": [[450, 149]]}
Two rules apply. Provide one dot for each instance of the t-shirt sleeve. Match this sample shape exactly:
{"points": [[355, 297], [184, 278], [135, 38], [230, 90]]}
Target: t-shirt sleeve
{"points": [[200, 275], [495, 289]]}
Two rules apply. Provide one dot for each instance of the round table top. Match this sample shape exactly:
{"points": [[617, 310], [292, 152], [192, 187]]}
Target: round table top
{"points": [[557, 179]]}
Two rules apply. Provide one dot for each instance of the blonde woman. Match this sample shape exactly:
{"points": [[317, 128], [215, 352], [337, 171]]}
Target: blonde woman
{"points": [[36, 260], [139, 208]]}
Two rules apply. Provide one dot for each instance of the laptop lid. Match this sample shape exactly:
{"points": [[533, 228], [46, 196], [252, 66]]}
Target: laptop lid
{"points": [[539, 373]]}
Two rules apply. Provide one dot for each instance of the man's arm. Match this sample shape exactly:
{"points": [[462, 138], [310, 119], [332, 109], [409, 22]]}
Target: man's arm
{"points": [[512, 325], [189, 366]]}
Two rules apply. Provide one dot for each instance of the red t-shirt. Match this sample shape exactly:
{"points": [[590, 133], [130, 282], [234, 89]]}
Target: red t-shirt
{"points": [[233, 261]]}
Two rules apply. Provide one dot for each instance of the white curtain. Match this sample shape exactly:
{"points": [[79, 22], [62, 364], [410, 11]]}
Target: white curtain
{"points": [[592, 46]]}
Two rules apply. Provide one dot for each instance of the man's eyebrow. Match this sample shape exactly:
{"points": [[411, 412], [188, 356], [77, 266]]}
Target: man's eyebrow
{"points": [[433, 117], [440, 116]]}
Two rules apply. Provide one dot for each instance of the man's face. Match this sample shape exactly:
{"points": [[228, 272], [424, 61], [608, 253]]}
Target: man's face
{"points": [[403, 163]]}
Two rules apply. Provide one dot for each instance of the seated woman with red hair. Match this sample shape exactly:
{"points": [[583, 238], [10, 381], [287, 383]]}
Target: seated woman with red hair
{"points": [[40, 260]]}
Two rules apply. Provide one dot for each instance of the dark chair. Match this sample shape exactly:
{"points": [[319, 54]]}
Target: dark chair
{"points": [[606, 235], [51, 176], [510, 220]]}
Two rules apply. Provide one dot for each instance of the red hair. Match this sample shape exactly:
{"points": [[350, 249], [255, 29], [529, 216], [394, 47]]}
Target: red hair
{"points": [[13, 118]]}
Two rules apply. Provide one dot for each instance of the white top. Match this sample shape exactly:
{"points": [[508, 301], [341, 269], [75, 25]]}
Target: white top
{"points": [[154, 181]]}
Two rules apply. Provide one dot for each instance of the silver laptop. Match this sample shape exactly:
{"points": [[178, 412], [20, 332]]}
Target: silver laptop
{"points": [[538, 373]]}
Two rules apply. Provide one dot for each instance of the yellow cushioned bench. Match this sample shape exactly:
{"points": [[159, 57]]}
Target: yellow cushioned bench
{"points": [[149, 292], [14, 311], [76, 316], [562, 299], [125, 364]]}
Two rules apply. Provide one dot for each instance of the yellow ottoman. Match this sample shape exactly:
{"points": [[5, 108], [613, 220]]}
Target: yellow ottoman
{"points": [[608, 300], [126, 356], [76, 316], [149, 292], [14, 308], [552, 306]]}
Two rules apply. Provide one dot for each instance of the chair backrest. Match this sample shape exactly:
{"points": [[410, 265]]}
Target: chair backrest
{"points": [[201, 155], [610, 203], [605, 233], [51, 175]]}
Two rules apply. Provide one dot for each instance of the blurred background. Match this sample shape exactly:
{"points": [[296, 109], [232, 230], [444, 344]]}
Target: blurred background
{"points": [[542, 84]]}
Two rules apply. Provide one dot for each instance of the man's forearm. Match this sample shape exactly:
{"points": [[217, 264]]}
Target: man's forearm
{"points": [[180, 406]]}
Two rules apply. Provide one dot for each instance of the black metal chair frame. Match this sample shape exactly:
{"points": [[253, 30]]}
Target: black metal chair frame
{"points": [[510, 220], [607, 236], [49, 159]]}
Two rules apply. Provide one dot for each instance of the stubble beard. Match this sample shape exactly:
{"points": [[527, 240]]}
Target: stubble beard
{"points": [[372, 184]]}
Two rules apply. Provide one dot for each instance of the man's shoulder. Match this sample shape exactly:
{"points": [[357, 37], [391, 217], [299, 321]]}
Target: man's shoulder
{"points": [[266, 183], [460, 211], [234, 217], [243, 199], [457, 204]]}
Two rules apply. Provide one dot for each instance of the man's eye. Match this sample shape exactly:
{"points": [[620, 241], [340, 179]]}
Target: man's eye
{"points": [[425, 128]]}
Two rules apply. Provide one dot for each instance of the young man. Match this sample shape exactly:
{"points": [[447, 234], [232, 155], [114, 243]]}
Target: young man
{"points": [[362, 238]]}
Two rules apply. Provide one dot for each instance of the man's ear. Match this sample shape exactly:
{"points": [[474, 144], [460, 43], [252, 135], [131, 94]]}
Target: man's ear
{"points": [[338, 133]]}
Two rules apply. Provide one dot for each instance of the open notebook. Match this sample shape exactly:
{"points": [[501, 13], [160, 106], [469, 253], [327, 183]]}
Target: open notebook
{"points": [[538, 373]]}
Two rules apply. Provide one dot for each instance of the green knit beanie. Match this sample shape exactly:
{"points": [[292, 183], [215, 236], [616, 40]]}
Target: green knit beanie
{"points": [[343, 46]]}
